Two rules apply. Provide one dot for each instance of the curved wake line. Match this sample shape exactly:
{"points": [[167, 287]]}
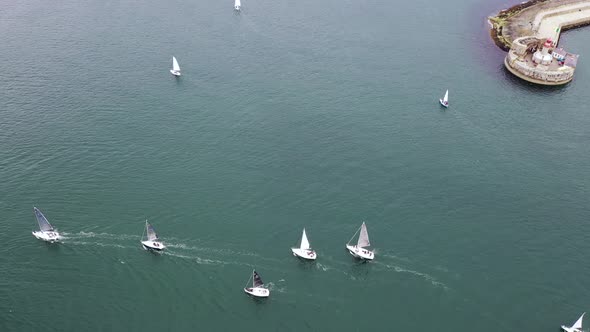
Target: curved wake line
{"points": [[182, 250], [216, 251], [96, 244], [86, 235], [110, 236], [425, 276], [200, 260]]}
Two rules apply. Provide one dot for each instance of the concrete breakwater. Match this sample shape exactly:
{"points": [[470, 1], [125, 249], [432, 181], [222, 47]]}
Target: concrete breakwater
{"points": [[530, 33], [539, 18]]}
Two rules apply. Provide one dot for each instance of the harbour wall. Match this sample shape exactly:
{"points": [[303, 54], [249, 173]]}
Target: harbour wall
{"points": [[539, 18]]}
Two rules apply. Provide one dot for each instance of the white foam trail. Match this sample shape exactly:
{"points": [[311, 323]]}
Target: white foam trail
{"points": [[426, 276], [322, 267], [95, 244], [199, 260], [273, 287], [396, 257], [86, 235], [184, 247], [216, 251]]}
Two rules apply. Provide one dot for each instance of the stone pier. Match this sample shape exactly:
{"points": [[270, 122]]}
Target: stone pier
{"points": [[538, 18], [530, 33]]}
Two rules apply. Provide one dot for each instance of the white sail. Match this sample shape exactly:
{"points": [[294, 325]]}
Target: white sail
{"points": [[237, 4], [175, 65], [151, 232], [446, 97], [578, 323], [304, 241], [363, 237], [44, 224]]}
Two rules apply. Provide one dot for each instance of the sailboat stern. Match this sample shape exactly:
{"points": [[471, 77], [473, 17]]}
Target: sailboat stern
{"points": [[153, 245], [308, 254], [360, 253], [51, 236], [257, 291]]}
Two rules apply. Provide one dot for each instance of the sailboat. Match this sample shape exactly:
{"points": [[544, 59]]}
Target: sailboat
{"points": [[152, 242], [577, 327], [237, 5], [304, 250], [257, 288], [445, 100], [46, 232], [175, 67], [360, 249]]}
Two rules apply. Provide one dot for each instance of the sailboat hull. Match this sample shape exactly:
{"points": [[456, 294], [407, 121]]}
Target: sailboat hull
{"points": [[360, 253], [257, 292], [174, 72], [153, 245], [442, 102], [307, 254], [47, 236]]}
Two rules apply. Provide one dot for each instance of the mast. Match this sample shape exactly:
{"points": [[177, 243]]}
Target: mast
{"points": [[143, 233], [247, 282], [353, 235]]}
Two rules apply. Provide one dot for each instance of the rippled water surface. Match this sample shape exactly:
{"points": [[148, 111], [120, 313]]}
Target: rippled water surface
{"points": [[316, 114]]}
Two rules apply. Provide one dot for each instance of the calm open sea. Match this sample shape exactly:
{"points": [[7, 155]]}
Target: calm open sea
{"points": [[290, 114]]}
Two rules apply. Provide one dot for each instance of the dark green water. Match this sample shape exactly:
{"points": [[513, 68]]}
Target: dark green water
{"points": [[292, 114]]}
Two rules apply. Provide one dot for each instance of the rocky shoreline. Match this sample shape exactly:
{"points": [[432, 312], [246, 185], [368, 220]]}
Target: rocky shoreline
{"points": [[499, 21]]}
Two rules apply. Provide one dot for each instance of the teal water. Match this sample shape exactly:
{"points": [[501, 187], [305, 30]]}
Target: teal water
{"points": [[288, 115]]}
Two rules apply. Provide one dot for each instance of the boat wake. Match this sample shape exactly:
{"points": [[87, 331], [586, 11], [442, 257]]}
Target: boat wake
{"points": [[322, 267], [276, 288], [182, 247], [94, 244], [395, 257], [201, 260], [88, 235], [201, 254], [223, 256], [423, 275]]}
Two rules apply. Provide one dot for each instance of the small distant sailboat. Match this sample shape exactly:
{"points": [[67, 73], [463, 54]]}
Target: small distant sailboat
{"points": [[445, 100], [46, 232], [304, 250], [175, 67], [360, 249], [257, 288], [577, 327], [152, 242], [237, 5]]}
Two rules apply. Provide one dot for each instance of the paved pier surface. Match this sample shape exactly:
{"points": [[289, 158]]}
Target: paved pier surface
{"points": [[542, 19]]}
